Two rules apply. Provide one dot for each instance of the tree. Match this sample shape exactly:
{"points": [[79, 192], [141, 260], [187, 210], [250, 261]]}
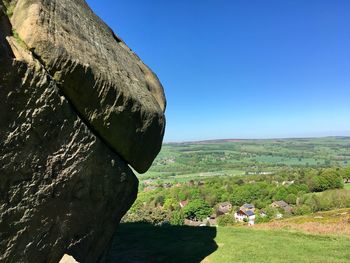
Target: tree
{"points": [[291, 199], [302, 210], [313, 202], [345, 173], [149, 214], [327, 179], [177, 218], [281, 193], [197, 209], [170, 204]]}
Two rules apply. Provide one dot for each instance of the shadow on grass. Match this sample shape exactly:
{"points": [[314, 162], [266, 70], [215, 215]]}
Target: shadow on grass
{"points": [[145, 243]]}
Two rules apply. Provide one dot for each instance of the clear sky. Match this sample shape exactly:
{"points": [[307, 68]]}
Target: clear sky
{"points": [[243, 69]]}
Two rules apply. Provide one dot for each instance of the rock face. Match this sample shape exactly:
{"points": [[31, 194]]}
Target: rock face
{"points": [[74, 99], [105, 81]]}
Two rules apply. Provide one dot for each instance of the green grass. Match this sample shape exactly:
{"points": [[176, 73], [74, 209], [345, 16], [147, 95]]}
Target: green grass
{"points": [[135, 242], [249, 245], [347, 186]]}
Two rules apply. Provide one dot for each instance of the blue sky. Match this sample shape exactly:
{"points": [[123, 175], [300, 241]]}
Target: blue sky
{"points": [[243, 69]]}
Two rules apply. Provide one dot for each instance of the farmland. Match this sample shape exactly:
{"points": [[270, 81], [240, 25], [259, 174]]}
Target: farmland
{"points": [[198, 160]]}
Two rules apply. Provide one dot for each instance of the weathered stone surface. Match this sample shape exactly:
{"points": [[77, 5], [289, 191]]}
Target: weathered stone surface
{"points": [[110, 87], [63, 189]]}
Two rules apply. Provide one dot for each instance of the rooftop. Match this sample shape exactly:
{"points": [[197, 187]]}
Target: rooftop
{"points": [[249, 206]]}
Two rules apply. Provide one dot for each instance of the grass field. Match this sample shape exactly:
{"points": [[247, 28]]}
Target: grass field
{"points": [[347, 186], [144, 243], [271, 246], [190, 160]]}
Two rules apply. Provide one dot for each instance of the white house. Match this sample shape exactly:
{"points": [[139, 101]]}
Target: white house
{"points": [[248, 215]]}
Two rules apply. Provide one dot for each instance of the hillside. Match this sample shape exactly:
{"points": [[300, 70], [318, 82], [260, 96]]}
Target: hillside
{"points": [[191, 181], [334, 222], [143, 243], [274, 246]]}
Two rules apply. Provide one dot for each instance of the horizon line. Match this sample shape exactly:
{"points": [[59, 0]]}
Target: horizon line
{"points": [[255, 139]]}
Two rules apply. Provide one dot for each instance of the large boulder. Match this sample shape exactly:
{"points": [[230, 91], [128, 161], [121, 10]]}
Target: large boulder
{"points": [[68, 112], [107, 84]]}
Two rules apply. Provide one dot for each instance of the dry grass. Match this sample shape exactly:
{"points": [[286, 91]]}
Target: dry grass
{"points": [[336, 222]]}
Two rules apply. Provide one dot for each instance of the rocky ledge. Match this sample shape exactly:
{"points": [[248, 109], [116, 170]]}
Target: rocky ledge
{"points": [[77, 106]]}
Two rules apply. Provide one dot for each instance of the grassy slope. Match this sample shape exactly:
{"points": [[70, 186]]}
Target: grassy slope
{"points": [[250, 245], [145, 243], [334, 222], [347, 186]]}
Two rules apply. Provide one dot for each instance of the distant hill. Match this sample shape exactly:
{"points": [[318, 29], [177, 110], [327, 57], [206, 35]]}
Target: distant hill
{"points": [[229, 157]]}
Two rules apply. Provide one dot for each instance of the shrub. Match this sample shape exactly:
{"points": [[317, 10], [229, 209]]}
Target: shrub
{"points": [[177, 218], [291, 199], [302, 210], [330, 199], [261, 219], [226, 220]]}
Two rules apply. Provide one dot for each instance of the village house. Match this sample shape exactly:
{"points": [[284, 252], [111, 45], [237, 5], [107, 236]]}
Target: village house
{"points": [[247, 207], [282, 205], [245, 216], [224, 208]]}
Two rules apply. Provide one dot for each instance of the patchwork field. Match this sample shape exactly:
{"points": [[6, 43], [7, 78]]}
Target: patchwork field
{"points": [[200, 160]]}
